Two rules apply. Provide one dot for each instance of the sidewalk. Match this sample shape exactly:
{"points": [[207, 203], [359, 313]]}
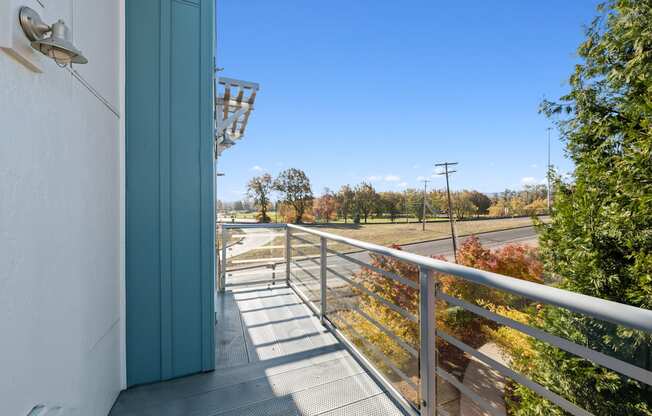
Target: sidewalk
{"points": [[486, 382]]}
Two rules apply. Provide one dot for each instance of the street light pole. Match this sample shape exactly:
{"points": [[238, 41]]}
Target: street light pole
{"points": [[450, 203]]}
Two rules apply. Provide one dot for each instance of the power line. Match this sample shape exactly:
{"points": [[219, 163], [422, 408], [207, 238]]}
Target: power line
{"points": [[450, 204]]}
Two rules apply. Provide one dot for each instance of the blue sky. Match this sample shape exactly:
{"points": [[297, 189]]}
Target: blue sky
{"points": [[382, 90]]}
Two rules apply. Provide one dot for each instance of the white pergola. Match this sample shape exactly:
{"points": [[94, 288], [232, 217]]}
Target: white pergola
{"points": [[234, 102]]}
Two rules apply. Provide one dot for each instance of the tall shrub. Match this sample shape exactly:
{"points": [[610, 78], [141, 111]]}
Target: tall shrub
{"points": [[599, 242]]}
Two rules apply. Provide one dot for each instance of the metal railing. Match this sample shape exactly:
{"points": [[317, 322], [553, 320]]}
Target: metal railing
{"points": [[321, 258], [269, 255]]}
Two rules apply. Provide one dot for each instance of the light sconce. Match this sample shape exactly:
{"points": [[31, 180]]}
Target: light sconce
{"points": [[57, 45]]}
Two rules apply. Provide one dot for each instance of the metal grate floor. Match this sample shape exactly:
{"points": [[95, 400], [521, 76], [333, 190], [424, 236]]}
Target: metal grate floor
{"points": [[273, 358]]}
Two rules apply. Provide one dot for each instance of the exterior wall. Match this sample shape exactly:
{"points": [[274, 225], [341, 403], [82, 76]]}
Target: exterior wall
{"points": [[60, 224]]}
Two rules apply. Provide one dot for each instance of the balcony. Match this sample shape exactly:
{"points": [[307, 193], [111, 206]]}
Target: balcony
{"points": [[310, 323]]}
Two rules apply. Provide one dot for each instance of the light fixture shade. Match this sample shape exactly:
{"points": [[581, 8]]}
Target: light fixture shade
{"points": [[58, 46]]}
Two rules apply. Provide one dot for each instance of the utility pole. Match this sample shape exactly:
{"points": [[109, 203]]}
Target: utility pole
{"points": [[425, 192], [548, 171], [405, 207], [450, 203]]}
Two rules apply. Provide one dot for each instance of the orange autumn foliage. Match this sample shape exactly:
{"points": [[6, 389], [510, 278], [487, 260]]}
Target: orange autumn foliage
{"points": [[517, 261]]}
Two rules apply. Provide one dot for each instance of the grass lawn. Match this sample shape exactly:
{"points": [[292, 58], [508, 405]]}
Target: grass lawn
{"points": [[411, 233]]}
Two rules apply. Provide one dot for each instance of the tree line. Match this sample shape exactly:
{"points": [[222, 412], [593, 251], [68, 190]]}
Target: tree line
{"points": [[360, 203]]}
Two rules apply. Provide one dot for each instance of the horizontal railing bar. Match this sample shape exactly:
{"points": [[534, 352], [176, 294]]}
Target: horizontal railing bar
{"points": [[253, 282], [334, 266], [305, 256], [308, 264], [389, 275], [306, 270], [297, 277], [257, 266], [277, 247], [467, 391], [382, 328], [230, 226], [311, 243], [382, 300], [379, 354], [304, 299], [257, 235], [596, 357], [519, 378], [618, 313], [271, 259], [307, 288]]}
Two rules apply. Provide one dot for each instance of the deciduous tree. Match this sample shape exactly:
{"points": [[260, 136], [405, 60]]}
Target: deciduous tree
{"points": [[481, 201], [325, 207], [294, 186], [259, 189], [463, 207], [366, 199], [346, 200]]}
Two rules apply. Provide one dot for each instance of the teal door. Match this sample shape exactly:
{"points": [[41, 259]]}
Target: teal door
{"points": [[169, 179]]}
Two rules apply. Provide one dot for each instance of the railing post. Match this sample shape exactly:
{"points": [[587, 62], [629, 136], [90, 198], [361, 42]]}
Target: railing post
{"points": [[322, 277], [288, 254], [428, 352], [225, 240]]}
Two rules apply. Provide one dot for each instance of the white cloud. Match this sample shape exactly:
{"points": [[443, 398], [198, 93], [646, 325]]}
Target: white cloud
{"points": [[417, 166], [392, 178], [421, 178], [534, 166], [403, 185], [257, 168], [528, 180], [373, 178]]}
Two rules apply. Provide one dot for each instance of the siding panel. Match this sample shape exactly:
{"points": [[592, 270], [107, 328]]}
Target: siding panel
{"points": [[169, 205]]}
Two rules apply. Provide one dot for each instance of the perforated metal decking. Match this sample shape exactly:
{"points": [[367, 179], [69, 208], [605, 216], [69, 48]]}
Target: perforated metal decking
{"points": [[273, 358]]}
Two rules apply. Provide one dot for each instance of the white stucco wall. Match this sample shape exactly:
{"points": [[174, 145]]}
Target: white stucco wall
{"points": [[60, 222]]}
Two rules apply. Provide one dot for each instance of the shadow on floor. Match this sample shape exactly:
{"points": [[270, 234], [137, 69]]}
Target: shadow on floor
{"points": [[273, 358]]}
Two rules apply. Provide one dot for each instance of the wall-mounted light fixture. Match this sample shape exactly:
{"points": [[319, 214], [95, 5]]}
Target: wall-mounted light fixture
{"points": [[57, 45]]}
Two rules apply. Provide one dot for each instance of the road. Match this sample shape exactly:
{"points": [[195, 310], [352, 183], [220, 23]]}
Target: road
{"points": [[494, 239], [309, 268]]}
